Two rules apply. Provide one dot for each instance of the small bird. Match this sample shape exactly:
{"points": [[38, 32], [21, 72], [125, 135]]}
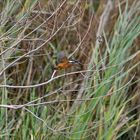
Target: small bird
{"points": [[63, 62]]}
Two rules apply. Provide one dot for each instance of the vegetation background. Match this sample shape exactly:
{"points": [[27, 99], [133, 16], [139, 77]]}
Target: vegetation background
{"points": [[99, 101]]}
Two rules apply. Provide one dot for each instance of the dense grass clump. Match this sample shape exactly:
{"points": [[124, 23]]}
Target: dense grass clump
{"points": [[98, 99]]}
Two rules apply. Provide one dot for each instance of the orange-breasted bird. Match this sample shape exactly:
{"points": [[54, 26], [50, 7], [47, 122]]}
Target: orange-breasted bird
{"points": [[63, 62]]}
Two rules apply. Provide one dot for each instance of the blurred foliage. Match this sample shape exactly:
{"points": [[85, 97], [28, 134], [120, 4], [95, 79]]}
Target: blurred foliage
{"points": [[99, 100]]}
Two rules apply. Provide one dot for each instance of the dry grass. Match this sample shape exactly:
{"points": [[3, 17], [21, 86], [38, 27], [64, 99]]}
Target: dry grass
{"points": [[97, 101]]}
